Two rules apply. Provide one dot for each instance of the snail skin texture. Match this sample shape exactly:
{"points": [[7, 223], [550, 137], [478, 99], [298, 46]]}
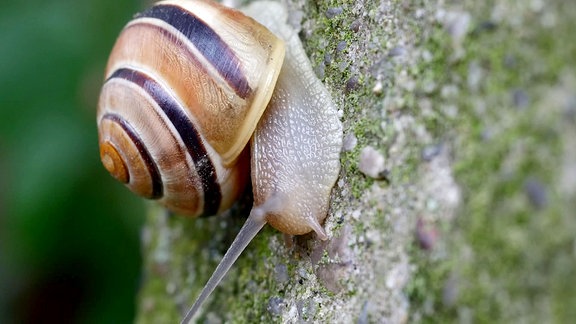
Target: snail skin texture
{"points": [[188, 84]]}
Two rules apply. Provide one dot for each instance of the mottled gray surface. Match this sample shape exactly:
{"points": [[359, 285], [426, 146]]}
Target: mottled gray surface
{"points": [[472, 109]]}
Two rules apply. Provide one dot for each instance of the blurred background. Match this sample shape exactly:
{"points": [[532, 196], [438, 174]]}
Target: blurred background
{"points": [[69, 234]]}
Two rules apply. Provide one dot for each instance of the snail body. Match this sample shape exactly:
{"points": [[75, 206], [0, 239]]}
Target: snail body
{"points": [[188, 84]]}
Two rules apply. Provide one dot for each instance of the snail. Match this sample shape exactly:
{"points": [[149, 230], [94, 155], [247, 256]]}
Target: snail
{"points": [[188, 84]]}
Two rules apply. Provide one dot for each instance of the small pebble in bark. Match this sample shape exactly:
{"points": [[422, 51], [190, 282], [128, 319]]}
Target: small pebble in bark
{"points": [[355, 26], [341, 46], [333, 12], [430, 152], [327, 59], [397, 51], [332, 276], [536, 193], [457, 24], [378, 87], [426, 235], [372, 163], [485, 26], [281, 273], [275, 306], [520, 98], [351, 84], [349, 142], [302, 273]]}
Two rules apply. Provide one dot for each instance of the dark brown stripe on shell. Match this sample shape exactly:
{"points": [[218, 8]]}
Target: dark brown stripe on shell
{"points": [[186, 130], [157, 187], [207, 41]]}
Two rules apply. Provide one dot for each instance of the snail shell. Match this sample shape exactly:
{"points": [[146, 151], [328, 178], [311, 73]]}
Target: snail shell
{"points": [[182, 98], [187, 85]]}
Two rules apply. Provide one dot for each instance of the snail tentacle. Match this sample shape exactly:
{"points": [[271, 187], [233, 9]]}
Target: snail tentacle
{"points": [[251, 227]]}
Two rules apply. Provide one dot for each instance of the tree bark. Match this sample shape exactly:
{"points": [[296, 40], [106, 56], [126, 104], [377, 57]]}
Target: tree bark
{"points": [[451, 114]]}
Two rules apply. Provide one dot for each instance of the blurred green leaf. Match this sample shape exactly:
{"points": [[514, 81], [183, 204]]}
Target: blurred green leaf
{"points": [[69, 234]]}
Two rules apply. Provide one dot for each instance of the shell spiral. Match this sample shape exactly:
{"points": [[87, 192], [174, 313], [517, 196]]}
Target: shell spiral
{"points": [[186, 84]]}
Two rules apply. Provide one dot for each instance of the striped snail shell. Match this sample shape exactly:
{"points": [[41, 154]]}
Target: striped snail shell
{"points": [[188, 84], [182, 97]]}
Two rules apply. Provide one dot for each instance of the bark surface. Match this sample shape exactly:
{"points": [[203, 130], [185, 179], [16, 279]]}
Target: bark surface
{"points": [[457, 192]]}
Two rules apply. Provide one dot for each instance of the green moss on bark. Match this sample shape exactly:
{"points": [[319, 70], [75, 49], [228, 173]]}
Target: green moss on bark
{"points": [[488, 88]]}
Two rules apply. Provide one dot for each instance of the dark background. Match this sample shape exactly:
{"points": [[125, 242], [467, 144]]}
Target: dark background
{"points": [[69, 234]]}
